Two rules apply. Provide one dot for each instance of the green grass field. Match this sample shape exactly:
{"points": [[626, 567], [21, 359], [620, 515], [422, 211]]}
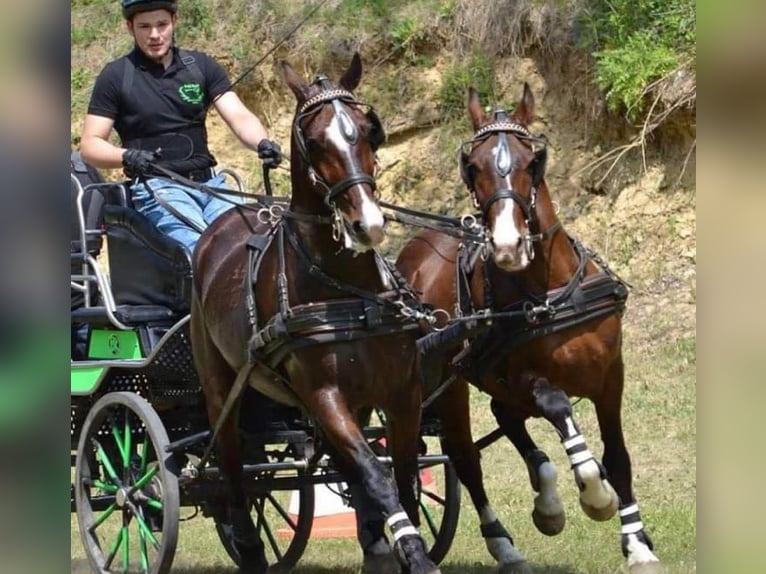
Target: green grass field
{"points": [[660, 426]]}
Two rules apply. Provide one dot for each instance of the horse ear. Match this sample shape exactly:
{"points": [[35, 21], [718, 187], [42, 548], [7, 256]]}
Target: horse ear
{"points": [[474, 109], [525, 111], [350, 79], [294, 81]]}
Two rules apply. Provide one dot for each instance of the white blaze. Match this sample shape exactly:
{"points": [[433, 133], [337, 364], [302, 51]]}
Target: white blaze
{"points": [[371, 215], [505, 234]]}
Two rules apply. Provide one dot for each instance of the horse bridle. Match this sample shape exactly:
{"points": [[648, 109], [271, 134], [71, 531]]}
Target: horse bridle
{"points": [[503, 166], [348, 130]]}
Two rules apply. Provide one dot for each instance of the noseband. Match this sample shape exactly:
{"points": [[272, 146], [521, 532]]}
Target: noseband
{"points": [[348, 130]]}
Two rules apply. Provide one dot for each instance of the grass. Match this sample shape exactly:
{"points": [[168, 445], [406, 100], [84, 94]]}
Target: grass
{"points": [[659, 420]]}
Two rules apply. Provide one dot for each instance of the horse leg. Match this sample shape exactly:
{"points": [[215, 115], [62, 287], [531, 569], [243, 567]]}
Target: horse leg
{"points": [[548, 512], [637, 546], [378, 555], [217, 380], [597, 497], [454, 412], [342, 431]]}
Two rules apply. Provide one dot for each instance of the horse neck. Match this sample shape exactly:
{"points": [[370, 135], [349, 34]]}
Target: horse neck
{"points": [[556, 260], [554, 264], [357, 269]]}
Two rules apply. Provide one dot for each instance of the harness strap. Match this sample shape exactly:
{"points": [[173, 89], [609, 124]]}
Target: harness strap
{"points": [[234, 395]]}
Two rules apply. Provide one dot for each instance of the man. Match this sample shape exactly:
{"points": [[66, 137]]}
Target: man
{"points": [[156, 99]]}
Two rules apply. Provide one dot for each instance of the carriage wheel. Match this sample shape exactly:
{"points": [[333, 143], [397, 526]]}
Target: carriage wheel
{"points": [[283, 520], [439, 503], [126, 496]]}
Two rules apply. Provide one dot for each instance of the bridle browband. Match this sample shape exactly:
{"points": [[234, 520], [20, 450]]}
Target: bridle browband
{"points": [[503, 166], [348, 130]]}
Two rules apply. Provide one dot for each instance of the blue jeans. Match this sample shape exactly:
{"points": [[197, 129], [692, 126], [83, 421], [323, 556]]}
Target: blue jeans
{"points": [[198, 206]]}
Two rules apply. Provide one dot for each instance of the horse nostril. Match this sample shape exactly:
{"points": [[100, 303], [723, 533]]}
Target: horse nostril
{"points": [[358, 227]]}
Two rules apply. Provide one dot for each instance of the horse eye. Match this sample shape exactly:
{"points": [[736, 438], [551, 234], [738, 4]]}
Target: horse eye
{"points": [[313, 145]]}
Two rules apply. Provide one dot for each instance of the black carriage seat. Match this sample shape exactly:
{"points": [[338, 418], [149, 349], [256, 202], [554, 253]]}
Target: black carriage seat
{"points": [[150, 273], [147, 267]]}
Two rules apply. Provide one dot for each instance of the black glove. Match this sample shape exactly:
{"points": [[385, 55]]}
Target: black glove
{"points": [[270, 153], [138, 161]]}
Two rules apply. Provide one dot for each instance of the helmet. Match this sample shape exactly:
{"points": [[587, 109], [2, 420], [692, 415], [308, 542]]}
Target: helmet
{"points": [[132, 7]]}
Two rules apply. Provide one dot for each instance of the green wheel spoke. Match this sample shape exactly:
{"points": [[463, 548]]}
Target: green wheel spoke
{"points": [[111, 488], [105, 462], [128, 439], [143, 550], [113, 550], [144, 480], [143, 527], [125, 549], [104, 515], [120, 444], [153, 503]]}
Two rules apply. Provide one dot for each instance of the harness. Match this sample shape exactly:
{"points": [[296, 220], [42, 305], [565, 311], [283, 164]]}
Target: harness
{"points": [[489, 334], [538, 315], [363, 314]]}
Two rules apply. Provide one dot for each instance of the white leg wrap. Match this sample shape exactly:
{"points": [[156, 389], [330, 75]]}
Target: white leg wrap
{"points": [[400, 525]]}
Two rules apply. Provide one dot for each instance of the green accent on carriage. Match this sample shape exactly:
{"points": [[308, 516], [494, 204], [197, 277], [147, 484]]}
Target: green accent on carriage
{"points": [[110, 344], [83, 380]]}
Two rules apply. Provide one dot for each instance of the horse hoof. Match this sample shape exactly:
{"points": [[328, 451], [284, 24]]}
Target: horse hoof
{"points": [[521, 567], [646, 568], [381, 564], [549, 524], [605, 512]]}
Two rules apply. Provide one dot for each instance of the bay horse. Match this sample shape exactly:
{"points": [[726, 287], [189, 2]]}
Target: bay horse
{"points": [[321, 328], [556, 331]]}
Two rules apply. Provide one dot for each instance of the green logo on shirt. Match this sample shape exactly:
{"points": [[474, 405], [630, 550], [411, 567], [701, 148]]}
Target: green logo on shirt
{"points": [[191, 93]]}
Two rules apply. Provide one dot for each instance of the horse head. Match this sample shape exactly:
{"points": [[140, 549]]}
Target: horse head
{"points": [[503, 170], [333, 161]]}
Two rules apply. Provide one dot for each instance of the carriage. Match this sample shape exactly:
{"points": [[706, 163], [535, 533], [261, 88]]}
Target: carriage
{"points": [[144, 428], [138, 425]]}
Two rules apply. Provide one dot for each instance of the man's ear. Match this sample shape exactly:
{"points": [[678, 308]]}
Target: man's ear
{"points": [[129, 26]]}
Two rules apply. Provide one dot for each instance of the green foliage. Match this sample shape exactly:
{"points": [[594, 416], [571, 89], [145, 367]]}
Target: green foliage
{"points": [[406, 33], [380, 8], [477, 71], [636, 42], [195, 20]]}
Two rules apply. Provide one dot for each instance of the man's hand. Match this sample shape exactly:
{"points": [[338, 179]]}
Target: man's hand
{"points": [[270, 153], [138, 161]]}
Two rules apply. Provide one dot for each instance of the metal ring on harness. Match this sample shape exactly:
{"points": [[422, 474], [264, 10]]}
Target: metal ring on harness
{"points": [[434, 315], [469, 221], [276, 211]]}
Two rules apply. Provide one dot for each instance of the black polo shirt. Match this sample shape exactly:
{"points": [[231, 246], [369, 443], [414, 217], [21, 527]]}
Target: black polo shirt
{"points": [[162, 107]]}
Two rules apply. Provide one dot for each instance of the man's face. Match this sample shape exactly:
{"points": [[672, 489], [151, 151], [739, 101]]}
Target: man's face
{"points": [[153, 33]]}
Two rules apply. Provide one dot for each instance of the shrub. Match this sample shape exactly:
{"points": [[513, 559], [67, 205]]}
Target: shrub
{"points": [[478, 71], [636, 42]]}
